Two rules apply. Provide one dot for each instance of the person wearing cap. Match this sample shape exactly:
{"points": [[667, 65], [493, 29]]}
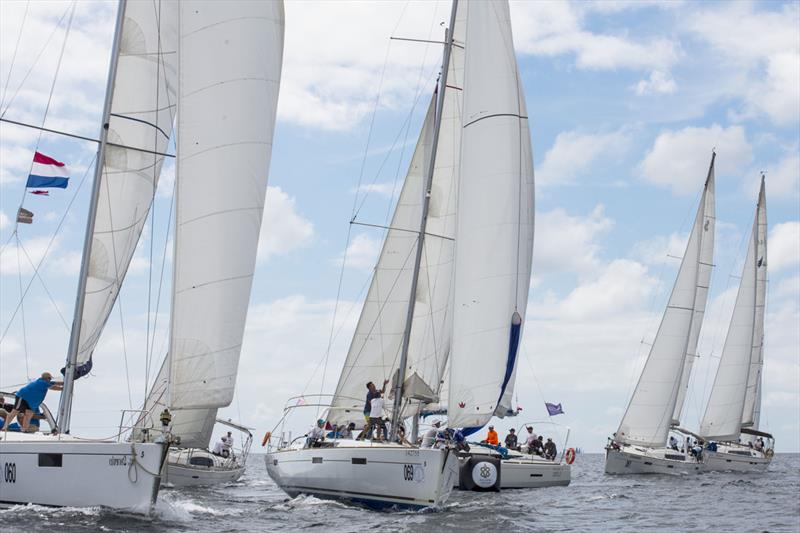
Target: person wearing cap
{"points": [[30, 397], [531, 440], [550, 450], [429, 439], [511, 439], [317, 433], [221, 448], [492, 438]]}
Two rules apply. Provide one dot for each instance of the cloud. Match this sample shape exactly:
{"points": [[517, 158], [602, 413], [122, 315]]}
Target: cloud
{"points": [[783, 178], [283, 229], [679, 159], [659, 82], [567, 243], [573, 153], [387, 189], [783, 248], [4, 220], [557, 28], [362, 252], [661, 249]]}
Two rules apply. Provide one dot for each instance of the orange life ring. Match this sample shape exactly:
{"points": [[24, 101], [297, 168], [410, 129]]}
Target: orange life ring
{"points": [[570, 457], [264, 441]]}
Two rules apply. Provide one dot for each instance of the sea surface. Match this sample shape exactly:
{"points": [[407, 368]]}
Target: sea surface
{"points": [[593, 502]]}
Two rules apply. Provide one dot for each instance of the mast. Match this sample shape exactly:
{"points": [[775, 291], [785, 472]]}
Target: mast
{"points": [[401, 374], [65, 404]]}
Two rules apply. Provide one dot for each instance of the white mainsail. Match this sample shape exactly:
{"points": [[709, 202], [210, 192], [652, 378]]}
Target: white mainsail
{"points": [[494, 221], [650, 412], [734, 397], [139, 129], [704, 267], [374, 352], [230, 57]]}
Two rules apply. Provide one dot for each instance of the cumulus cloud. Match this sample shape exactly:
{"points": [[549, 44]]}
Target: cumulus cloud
{"points": [[661, 249], [283, 229], [783, 248], [658, 82], [783, 178], [679, 159], [566, 242], [362, 252], [573, 154]]}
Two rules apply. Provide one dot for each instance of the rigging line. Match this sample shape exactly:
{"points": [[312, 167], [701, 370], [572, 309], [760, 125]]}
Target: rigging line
{"points": [[35, 61], [49, 244], [14, 56], [47, 107], [44, 286], [124, 349], [22, 309]]}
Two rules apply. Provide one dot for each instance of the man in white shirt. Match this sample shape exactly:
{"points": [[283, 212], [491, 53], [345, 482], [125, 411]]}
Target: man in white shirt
{"points": [[429, 439], [530, 442], [376, 416], [219, 448], [317, 433]]}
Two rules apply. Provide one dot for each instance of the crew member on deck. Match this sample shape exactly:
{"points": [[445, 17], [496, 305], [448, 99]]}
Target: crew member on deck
{"points": [[30, 397], [492, 438], [511, 440]]}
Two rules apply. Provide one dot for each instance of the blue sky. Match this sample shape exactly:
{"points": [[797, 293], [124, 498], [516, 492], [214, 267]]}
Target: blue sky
{"points": [[626, 101]]}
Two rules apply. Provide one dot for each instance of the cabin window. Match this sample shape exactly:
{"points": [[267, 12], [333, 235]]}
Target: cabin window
{"points": [[359, 460], [316, 460], [50, 459], [201, 461]]}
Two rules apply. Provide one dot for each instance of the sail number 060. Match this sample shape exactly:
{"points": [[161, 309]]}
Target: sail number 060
{"points": [[10, 472]]}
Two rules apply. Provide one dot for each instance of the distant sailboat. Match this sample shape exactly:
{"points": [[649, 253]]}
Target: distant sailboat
{"points": [[639, 445], [461, 236], [734, 407], [230, 67]]}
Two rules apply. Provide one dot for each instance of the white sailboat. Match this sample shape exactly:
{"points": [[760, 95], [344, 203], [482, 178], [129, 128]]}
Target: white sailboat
{"points": [[57, 468], [471, 174], [230, 66], [730, 423], [639, 445]]}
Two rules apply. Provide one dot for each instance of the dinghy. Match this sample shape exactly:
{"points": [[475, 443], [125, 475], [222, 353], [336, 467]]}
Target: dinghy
{"points": [[640, 444]]}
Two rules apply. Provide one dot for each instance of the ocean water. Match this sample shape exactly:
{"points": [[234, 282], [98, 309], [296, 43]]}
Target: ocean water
{"points": [[593, 502]]}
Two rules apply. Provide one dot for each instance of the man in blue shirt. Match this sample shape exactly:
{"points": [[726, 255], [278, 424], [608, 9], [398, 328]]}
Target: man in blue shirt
{"points": [[30, 397]]}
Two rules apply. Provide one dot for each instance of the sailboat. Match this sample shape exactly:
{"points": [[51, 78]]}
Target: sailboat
{"points": [[230, 65], [640, 444], [465, 213], [731, 420], [56, 467], [200, 58]]}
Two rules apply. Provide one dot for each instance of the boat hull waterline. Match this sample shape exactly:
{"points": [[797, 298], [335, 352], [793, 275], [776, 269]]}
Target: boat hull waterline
{"points": [[378, 476], [180, 472], [735, 459], [636, 460], [62, 471]]}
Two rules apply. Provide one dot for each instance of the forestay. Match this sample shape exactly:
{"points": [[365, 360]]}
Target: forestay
{"points": [[374, 352], [704, 267], [139, 129], [229, 65], [494, 222], [742, 352], [650, 411]]}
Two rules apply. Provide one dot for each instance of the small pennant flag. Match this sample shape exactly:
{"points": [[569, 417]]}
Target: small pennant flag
{"points": [[47, 172], [24, 216], [39, 192], [554, 409]]}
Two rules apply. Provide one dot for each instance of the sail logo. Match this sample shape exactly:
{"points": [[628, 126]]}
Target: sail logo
{"points": [[462, 404]]}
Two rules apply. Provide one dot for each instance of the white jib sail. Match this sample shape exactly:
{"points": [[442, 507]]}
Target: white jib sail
{"points": [[140, 125], [647, 420], [494, 236], [704, 268], [725, 410], [374, 353], [229, 72]]}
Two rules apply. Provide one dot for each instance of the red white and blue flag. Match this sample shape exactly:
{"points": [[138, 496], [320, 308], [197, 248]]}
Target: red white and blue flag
{"points": [[46, 172]]}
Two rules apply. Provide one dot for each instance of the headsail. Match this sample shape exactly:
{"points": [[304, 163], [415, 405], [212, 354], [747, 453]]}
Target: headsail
{"points": [[229, 64], [139, 129], [742, 354], [494, 222], [650, 412], [374, 352]]}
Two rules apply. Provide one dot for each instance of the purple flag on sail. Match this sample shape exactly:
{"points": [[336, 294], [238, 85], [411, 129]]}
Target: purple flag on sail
{"points": [[554, 409]]}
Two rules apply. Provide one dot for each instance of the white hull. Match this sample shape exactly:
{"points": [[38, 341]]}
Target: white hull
{"points": [[637, 460], [526, 472], [63, 471], [743, 459], [376, 475], [183, 470]]}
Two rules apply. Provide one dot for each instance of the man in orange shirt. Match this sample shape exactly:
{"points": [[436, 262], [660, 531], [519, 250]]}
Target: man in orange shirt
{"points": [[492, 438]]}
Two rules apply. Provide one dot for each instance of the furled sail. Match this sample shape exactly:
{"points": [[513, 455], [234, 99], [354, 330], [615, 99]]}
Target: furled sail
{"points": [[650, 412], [139, 129], [374, 353], [229, 71], [494, 221], [742, 353], [704, 266]]}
